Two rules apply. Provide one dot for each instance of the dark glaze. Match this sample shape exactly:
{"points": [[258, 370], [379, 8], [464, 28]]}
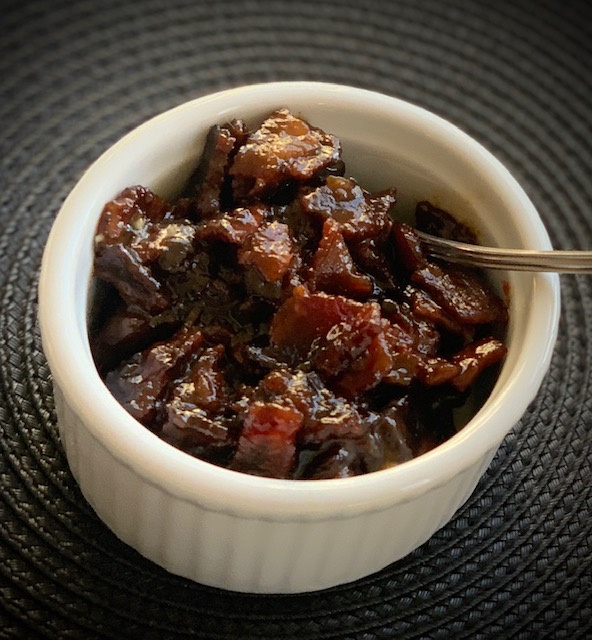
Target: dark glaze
{"points": [[276, 320]]}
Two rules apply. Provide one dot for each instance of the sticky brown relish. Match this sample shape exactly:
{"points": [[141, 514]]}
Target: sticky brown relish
{"points": [[276, 320]]}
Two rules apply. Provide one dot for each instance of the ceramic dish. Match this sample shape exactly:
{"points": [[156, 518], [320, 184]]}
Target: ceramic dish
{"points": [[247, 533]]}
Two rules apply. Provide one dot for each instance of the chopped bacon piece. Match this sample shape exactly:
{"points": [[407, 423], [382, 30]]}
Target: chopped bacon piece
{"points": [[127, 215], [122, 335], [462, 293], [369, 370], [191, 412], [358, 213], [305, 317], [136, 231], [332, 269], [221, 145], [423, 334], [437, 371], [191, 427], [408, 247], [325, 415], [405, 367], [354, 355], [168, 243], [425, 307], [474, 358], [374, 257], [333, 459], [267, 444], [270, 249], [284, 148], [205, 383], [140, 382], [233, 226], [346, 342], [121, 266], [393, 430]]}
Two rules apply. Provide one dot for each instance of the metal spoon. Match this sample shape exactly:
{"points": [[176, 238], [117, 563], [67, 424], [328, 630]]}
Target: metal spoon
{"points": [[510, 259]]}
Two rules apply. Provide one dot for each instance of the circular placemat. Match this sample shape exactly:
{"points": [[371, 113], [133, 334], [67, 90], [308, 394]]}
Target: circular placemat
{"points": [[516, 561]]}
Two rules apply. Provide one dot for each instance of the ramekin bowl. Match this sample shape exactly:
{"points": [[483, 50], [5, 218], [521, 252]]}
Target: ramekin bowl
{"points": [[231, 530]]}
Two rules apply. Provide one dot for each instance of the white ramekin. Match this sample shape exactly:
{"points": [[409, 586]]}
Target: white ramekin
{"points": [[247, 533]]}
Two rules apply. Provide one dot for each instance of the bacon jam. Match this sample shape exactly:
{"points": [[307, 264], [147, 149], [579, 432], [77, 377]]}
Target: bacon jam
{"points": [[276, 320]]}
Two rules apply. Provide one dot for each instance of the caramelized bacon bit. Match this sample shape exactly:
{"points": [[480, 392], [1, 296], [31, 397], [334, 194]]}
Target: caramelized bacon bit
{"points": [[270, 249], [474, 358], [134, 233], [393, 430], [325, 415], [424, 336], [462, 293], [359, 214], [425, 307], [140, 383], [408, 247], [332, 270], [347, 341], [211, 176], [437, 371], [267, 445], [373, 257], [284, 148], [193, 411], [233, 226], [121, 266], [305, 317], [365, 373], [126, 216], [169, 244], [122, 335]]}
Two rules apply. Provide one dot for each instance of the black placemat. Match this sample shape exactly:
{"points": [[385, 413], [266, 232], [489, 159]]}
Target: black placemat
{"points": [[516, 561]]}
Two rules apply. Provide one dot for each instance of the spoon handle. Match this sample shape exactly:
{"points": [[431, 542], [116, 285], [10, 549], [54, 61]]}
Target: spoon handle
{"points": [[510, 259]]}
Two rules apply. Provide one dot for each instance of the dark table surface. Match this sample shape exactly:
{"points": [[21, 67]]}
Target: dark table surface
{"points": [[516, 561]]}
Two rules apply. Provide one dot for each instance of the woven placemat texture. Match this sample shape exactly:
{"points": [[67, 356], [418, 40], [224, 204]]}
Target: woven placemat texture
{"points": [[516, 561]]}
